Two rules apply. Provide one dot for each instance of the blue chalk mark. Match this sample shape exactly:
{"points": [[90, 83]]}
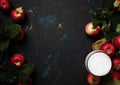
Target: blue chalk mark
{"points": [[46, 21], [91, 2], [51, 59], [45, 73], [88, 1], [59, 74], [51, 63], [63, 37], [51, 20], [50, 56], [57, 55], [47, 60]]}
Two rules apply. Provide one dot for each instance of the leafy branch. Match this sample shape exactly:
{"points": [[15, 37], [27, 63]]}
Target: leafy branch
{"points": [[107, 19], [7, 34]]}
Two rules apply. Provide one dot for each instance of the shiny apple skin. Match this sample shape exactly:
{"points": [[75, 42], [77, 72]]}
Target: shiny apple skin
{"points": [[17, 17], [116, 42], [108, 48], [5, 5], [116, 63]]}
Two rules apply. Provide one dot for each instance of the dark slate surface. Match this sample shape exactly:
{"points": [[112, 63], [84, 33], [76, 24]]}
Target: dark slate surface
{"points": [[56, 42]]}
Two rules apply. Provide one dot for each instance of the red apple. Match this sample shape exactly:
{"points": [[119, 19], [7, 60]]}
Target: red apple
{"points": [[116, 63], [17, 59], [91, 31], [116, 75], [93, 80], [5, 5], [108, 48], [116, 42], [18, 14], [21, 35]]}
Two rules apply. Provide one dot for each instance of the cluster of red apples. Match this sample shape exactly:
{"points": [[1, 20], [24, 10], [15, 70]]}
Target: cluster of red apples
{"points": [[18, 15], [110, 48]]}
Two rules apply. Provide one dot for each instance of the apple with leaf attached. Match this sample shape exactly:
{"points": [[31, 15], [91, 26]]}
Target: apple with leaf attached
{"points": [[18, 15], [91, 30], [17, 59]]}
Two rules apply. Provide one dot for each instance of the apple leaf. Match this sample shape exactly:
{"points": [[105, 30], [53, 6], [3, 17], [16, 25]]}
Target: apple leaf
{"points": [[2, 24], [101, 17], [1, 56], [3, 76], [12, 30], [96, 22], [104, 25], [118, 28], [108, 4], [115, 21], [108, 35], [8, 73], [113, 82], [27, 69], [4, 45], [94, 12]]}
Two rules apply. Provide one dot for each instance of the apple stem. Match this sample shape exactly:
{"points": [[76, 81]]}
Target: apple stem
{"points": [[19, 10]]}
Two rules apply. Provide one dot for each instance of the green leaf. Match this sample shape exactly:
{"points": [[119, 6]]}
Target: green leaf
{"points": [[2, 25], [3, 76], [1, 57], [95, 12], [4, 45], [100, 15], [8, 72], [115, 21], [7, 78], [108, 35], [25, 72], [104, 25], [96, 22], [118, 28], [12, 30], [113, 82], [108, 4]]}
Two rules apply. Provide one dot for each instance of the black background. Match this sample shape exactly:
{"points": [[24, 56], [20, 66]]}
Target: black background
{"points": [[55, 39]]}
